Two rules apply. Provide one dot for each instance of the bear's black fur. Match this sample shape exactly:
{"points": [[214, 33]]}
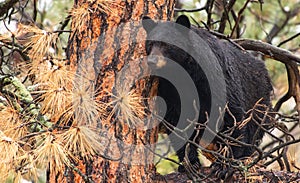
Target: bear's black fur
{"points": [[246, 82]]}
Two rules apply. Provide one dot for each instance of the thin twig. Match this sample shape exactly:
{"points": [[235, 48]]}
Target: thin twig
{"points": [[190, 10], [237, 22]]}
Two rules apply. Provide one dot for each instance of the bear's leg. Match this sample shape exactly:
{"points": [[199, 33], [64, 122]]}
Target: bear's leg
{"points": [[191, 151]]}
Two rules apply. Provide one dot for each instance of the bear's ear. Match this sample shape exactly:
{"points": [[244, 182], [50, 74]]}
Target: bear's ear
{"points": [[184, 21], [148, 24]]}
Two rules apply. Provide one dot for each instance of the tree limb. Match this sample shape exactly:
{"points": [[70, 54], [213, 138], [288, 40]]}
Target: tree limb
{"points": [[237, 22], [278, 27], [274, 52], [227, 8], [294, 90], [289, 39], [6, 5], [190, 10]]}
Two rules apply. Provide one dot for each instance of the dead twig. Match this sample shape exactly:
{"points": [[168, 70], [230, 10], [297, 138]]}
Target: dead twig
{"points": [[238, 19], [274, 52], [225, 16], [6, 6]]}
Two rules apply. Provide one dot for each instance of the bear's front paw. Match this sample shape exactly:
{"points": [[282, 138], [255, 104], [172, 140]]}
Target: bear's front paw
{"points": [[222, 171], [181, 169], [189, 167]]}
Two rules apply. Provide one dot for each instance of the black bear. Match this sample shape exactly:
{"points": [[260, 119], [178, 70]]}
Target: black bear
{"points": [[217, 68]]}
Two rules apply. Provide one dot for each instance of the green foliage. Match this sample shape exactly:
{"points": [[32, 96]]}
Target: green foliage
{"points": [[165, 166]]}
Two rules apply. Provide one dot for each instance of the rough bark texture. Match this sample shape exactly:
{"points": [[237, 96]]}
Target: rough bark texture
{"points": [[108, 48]]}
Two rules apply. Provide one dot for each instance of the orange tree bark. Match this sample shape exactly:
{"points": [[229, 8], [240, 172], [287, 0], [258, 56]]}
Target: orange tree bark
{"points": [[107, 42]]}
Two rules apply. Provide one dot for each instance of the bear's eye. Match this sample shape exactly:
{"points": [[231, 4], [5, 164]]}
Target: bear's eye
{"points": [[149, 46]]}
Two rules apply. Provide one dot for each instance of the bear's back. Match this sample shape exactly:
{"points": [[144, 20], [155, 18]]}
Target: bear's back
{"points": [[241, 69]]}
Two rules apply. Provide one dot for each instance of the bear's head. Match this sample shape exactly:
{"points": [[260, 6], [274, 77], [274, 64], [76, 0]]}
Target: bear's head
{"points": [[167, 41]]}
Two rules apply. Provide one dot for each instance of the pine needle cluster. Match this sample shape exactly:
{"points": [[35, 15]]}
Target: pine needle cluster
{"points": [[37, 42], [127, 105], [82, 14], [56, 124]]}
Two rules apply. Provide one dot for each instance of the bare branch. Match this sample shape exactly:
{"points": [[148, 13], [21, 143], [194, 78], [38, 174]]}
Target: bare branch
{"points": [[289, 39], [294, 90], [237, 22], [190, 10], [209, 6], [6, 5], [277, 28], [274, 52], [225, 16]]}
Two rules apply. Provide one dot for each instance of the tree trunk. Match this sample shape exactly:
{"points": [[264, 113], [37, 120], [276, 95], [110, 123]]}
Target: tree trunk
{"points": [[106, 50]]}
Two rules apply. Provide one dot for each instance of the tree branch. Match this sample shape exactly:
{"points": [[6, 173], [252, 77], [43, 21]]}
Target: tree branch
{"points": [[294, 90], [225, 16], [274, 52], [289, 39], [6, 5], [190, 10], [237, 22], [278, 27]]}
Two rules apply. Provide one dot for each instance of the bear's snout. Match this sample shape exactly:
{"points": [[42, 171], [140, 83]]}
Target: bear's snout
{"points": [[156, 62], [156, 59]]}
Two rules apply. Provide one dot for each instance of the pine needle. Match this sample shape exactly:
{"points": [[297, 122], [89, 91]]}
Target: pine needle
{"points": [[51, 154], [127, 105], [5, 172], [86, 108], [106, 6], [55, 100], [29, 170], [36, 41], [8, 117], [11, 122], [80, 17], [55, 83], [82, 141], [10, 151], [53, 70], [18, 177]]}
